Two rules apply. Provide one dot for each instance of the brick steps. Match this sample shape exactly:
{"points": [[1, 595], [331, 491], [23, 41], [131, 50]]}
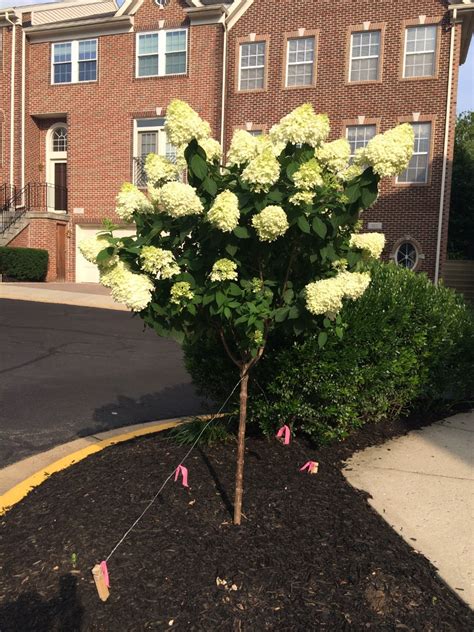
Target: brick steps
{"points": [[13, 230]]}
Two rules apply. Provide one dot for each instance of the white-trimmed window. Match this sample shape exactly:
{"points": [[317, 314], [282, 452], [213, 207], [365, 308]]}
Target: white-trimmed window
{"points": [[417, 171], [149, 138], [420, 51], [74, 62], [300, 61], [406, 255], [161, 53], [359, 135], [252, 66], [365, 56]]}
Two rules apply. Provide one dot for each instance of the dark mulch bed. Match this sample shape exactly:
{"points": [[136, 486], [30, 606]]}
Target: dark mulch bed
{"points": [[311, 554]]}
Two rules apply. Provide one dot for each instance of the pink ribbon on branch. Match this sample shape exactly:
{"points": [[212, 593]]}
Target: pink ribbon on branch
{"points": [[105, 573], [311, 467], [184, 474], [285, 433]]}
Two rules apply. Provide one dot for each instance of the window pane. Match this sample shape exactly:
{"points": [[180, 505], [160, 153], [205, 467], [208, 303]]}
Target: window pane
{"points": [[148, 44], [62, 52], [62, 73], [365, 54], [300, 61], [420, 51], [60, 139], [148, 143], [359, 135], [87, 71], [148, 66], [406, 255], [252, 66], [364, 69], [417, 171], [175, 63], [175, 41], [87, 50]]}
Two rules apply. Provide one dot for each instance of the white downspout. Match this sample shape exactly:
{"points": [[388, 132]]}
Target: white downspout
{"points": [[445, 149], [224, 82], [12, 101], [23, 97]]}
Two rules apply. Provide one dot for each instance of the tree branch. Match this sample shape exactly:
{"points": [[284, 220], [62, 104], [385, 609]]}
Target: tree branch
{"points": [[229, 352]]}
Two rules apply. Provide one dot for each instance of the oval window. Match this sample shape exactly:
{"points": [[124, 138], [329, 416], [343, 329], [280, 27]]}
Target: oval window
{"points": [[406, 255]]}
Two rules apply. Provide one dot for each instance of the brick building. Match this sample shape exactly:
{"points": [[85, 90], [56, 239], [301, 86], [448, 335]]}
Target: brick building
{"points": [[85, 85]]}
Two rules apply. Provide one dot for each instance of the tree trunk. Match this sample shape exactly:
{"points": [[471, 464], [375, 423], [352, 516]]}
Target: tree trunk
{"points": [[239, 475]]}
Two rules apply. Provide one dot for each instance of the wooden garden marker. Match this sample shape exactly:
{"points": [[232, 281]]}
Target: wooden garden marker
{"points": [[101, 580]]}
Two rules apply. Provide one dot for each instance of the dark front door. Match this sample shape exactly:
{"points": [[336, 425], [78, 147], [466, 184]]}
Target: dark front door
{"points": [[60, 252], [60, 183]]}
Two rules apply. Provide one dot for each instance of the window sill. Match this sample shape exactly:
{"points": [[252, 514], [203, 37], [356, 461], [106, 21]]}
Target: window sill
{"points": [[178, 74], [301, 87], [74, 83], [366, 82], [423, 78]]}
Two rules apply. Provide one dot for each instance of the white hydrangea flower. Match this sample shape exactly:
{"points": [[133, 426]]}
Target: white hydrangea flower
{"points": [[308, 176], [131, 199], [180, 292], [212, 148], [335, 156], [160, 170], [224, 270], [372, 243], [354, 284], [302, 126], [262, 172], [134, 290], [351, 172], [158, 262], [91, 246], [302, 197], [179, 199], [243, 148], [183, 124], [270, 223], [224, 214], [326, 295], [389, 153]]}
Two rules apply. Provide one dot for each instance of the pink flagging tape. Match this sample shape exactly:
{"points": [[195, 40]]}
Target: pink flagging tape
{"points": [[311, 466], [285, 433], [184, 475], [105, 572]]}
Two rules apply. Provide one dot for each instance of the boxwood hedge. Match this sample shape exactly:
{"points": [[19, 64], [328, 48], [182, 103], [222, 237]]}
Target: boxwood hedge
{"points": [[23, 264]]}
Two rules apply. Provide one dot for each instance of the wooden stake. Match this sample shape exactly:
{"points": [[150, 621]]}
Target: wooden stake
{"points": [[239, 475], [100, 584]]}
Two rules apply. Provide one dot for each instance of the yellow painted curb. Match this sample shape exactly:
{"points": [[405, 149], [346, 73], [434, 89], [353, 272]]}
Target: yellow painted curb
{"points": [[19, 491]]}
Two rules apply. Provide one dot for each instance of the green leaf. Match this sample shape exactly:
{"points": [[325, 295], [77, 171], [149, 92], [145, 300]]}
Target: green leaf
{"points": [[231, 250], [241, 232], [275, 196], [353, 193], [291, 169], [207, 299], [288, 296], [220, 298], [326, 323], [192, 309], [369, 195], [281, 314], [227, 312], [339, 332], [320, 227], [198, 166], [105, 254], [322, 339], [294, 313], [303, 224], [234, 289], [210, 186]]}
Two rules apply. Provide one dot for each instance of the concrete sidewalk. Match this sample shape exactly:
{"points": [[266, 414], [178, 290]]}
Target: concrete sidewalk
{"points": [[79, 294], [423, 485]]}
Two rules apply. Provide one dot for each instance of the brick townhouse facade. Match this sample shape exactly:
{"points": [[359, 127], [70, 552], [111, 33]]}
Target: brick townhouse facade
{"points": [[85, 86]]}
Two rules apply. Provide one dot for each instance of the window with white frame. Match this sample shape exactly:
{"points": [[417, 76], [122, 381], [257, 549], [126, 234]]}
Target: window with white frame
{"points": [[406, 255], [59, 139], [417, 171], [359, 135], [300, 61], [252, 66], [365, 56], [420, 51], [162, 53], [74, 62], [149, 138]]}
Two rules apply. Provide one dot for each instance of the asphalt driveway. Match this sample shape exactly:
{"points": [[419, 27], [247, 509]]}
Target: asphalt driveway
{"points": [[67, 372]]}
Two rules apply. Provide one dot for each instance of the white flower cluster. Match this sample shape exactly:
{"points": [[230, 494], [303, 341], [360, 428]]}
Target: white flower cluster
{"points": [[224, 214], [91, 247], [131, 199], [334, 156], [183, 124], [351, 172], [262, 172], [181, 292], [270, 223], [302, 126], [160, 170], [212, 148], [372, 243], [179, 199], [224, 270], [302, 197], [389, 153], [158, 262], [308, 176], [326, 296], [243, 148], [134, 290]]}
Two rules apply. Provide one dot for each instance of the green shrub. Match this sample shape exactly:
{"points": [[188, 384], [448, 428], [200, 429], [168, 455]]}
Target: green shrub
{"points": [[24, 264], [407, 344]]}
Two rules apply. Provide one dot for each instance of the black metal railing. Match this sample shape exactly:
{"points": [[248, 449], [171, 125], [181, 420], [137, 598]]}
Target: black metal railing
{"points": [[7, 191], [139, 175], [33, 197]]}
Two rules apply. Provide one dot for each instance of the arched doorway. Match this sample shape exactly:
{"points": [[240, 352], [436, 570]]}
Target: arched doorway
{"points": [[56, 161]]}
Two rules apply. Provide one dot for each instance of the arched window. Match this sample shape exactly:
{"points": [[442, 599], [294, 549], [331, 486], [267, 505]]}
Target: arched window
{"points": [[59, 139], [406, 255]]}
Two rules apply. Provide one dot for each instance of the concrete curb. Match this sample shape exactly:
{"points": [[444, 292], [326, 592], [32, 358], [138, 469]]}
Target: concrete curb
{"points": [[18, 479], [78, 299]]}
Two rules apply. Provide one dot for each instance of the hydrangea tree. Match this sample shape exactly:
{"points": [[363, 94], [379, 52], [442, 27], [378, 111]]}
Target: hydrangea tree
{"points": [[267, 242]]}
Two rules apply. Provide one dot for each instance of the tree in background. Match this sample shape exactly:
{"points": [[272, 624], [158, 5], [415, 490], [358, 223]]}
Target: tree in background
{"points": [[267, 243], [461, 218]]}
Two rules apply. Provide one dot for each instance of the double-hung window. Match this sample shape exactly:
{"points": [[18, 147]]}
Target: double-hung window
{"points": [[420, 51], [74, 62], [149, 138], [365, 56], [300, 61], [358, 136], [252, 66], [161, 53], [417, 171]]}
